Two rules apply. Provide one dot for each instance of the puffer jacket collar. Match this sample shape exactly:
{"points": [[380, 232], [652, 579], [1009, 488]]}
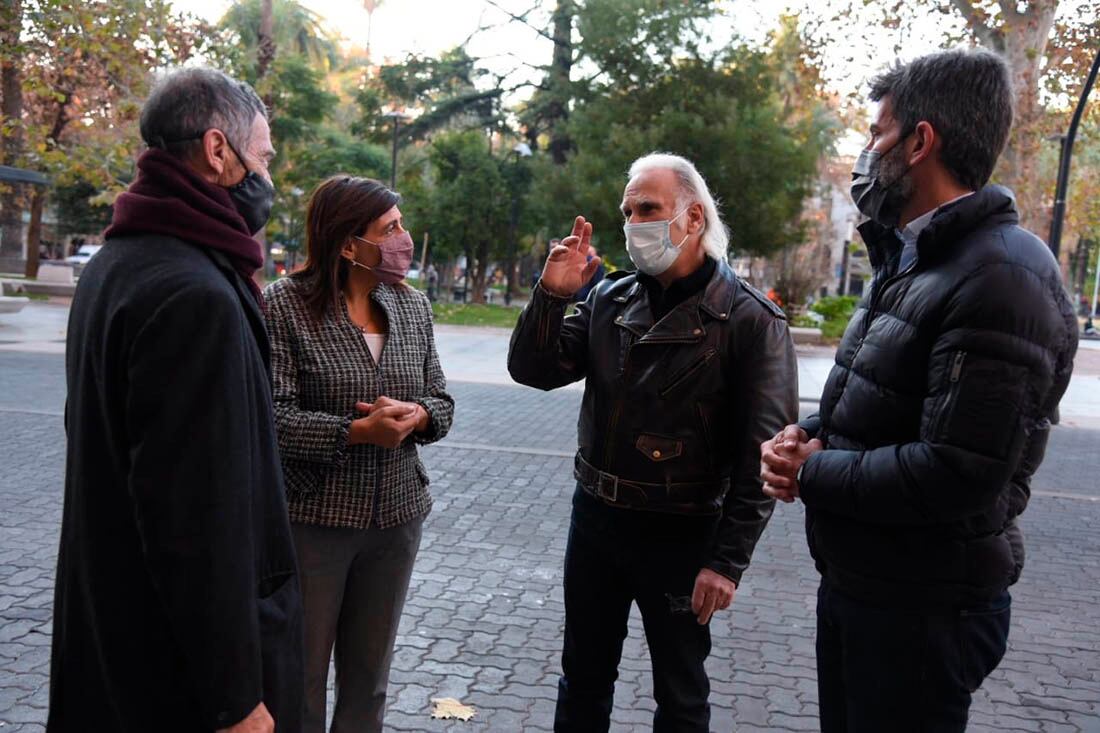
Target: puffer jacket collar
{"points": [[991, 205]]}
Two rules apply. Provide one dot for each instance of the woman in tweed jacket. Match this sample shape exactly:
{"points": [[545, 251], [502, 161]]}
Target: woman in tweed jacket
{"points": [[357, 386]]}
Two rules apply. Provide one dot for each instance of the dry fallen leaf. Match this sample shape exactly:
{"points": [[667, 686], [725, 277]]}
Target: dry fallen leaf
{"points": [[447, 708]]}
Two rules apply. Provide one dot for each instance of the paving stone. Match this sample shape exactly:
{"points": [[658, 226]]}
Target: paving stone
{"points": [[485, 615]]}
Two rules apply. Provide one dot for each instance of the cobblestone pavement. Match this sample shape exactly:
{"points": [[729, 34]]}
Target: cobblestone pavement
{"points": [[484, 617]]}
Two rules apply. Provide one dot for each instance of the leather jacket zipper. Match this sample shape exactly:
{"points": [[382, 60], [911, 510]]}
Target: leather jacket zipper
{"points": [[688, 373]]}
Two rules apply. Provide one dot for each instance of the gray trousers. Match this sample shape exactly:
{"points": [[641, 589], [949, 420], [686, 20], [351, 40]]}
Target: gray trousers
{"points": [[354, 583]]}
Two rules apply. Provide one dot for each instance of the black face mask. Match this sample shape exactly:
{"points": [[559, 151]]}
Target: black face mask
{"points": [[253, 197], [876, 199]]}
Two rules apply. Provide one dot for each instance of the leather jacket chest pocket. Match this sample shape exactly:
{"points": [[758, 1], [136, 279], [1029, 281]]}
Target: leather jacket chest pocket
{"points": [[659, 448], [683, 378]]}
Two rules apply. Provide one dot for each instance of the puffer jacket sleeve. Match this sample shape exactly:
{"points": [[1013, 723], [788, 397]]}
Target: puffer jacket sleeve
{"points": [[997, 370], [436, 400], [768, 378], [304, 435], [549, 349]]}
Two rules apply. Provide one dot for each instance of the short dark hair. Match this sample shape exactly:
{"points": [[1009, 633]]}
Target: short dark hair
{"points": [[967, 98], [184, 104]]}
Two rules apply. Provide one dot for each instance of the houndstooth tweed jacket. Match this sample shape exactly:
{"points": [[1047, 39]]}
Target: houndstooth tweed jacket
{"points": [[320, 370]]}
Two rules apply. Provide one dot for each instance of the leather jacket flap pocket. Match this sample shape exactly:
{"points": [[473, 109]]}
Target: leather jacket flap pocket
{"points": [[658, 448]]}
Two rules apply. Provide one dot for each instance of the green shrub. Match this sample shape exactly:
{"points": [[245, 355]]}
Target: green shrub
{"points": [[837, 311], [836, 307]]}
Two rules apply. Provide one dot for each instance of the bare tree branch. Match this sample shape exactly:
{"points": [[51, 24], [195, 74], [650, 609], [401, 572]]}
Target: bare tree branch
{"points": [[481, 28], [515, 57], [1012, 13], [988, 36], [523, 19]]}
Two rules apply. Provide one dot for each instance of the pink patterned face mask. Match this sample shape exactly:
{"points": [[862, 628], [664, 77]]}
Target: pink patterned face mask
{"points": [[397, 257]]}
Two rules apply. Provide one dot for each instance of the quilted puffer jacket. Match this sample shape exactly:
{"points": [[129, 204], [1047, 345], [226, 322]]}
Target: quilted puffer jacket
{"points": [[938, 410]]}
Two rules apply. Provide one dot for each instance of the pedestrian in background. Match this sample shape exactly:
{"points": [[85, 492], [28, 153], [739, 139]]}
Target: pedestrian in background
{"points": [[936, 414], [433, 283], [597, 276], [177, 607], [357, 387]]}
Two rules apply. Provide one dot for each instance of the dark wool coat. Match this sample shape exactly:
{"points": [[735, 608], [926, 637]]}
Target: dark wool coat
{"points": [[177, 603]]}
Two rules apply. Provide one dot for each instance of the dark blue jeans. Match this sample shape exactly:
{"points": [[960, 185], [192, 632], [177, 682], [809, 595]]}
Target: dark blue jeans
{"points": [[882, 669], [616, 557]]}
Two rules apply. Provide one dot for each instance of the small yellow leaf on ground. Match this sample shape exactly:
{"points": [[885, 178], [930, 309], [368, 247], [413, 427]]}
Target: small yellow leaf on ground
{"points": [[447, 708]]}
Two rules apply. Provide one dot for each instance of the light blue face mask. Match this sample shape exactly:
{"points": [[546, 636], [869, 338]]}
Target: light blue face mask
{"points": [[650, 246]]}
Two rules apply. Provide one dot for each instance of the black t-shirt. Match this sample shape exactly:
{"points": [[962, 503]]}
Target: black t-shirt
{"points": [[662, 301]]}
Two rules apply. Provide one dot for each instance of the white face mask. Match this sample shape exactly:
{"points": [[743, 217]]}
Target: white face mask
{"points": [[650, 246]]}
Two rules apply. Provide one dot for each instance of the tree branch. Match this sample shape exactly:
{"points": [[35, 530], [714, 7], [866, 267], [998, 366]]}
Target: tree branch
{"points": [[988, 36], [523, 19], [1012, 15]]}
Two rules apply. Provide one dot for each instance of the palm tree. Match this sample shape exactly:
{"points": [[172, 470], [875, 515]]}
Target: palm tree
{"points": [[294, 29]]}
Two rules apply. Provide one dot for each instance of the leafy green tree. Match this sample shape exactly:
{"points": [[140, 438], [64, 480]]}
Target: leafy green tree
{"points": [[726, 115], [330, 152], [296, 31], [468, 206], [85, 68], [292, 84], [444, 90]]}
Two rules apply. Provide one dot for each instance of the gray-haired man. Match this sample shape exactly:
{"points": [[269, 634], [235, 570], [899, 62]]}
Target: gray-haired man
{"points": [[177, 604], [685, 367]]}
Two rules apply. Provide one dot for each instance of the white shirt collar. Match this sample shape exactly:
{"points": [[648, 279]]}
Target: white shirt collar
{"points": [[912, 230]]}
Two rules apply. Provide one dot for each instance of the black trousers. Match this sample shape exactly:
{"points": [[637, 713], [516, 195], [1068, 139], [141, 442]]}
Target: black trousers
{"points": [[616, 557], [882, 669]]}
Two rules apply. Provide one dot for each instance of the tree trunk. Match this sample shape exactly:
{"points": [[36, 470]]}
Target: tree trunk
{"points": [[266, 40], [265, 57], [11, 114], [479, 273], [557, 111], [34, 231], [1022, 41]]}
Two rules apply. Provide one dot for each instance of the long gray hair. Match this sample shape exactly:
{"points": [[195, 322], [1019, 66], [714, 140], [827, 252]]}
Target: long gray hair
{"points": [[716, 236]]}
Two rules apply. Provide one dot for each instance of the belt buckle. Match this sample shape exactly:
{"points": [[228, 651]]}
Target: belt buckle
{"points": [[604, 480]]}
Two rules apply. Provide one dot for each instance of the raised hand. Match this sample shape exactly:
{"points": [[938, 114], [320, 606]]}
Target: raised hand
{"points": [[568, 268]]}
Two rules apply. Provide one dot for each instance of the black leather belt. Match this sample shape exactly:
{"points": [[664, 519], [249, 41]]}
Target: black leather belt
{"points": [[702, 497]]}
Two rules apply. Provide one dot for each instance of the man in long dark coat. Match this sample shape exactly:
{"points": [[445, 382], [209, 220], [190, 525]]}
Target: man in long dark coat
{"points": [[177, 605]]}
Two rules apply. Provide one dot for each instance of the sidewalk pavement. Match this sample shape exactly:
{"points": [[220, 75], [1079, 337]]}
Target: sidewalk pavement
{"points": [[479, 355]]}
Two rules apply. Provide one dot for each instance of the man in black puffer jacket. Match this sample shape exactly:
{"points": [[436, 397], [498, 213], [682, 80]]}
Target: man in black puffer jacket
{"points": [[936, 414]]}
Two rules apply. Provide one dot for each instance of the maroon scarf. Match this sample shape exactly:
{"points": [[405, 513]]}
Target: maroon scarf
{"points": [[169, 197]]}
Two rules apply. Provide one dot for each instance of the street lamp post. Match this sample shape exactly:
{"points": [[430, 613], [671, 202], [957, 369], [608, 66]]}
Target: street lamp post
{"points": [[1064, 160]]}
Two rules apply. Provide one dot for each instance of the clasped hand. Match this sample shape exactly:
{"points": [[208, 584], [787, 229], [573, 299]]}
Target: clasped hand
{"points": [[387, 422], [780, 460]]}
